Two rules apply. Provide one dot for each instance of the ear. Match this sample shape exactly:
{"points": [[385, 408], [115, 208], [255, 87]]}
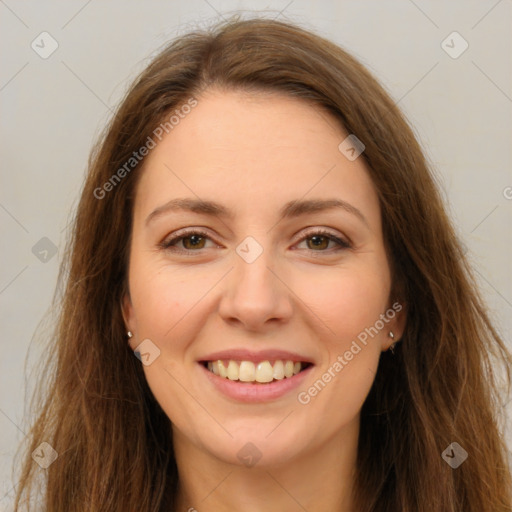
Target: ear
{"points": [[397, 313], [128, 315]]}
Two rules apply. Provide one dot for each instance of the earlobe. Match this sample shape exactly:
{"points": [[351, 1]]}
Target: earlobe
{"points": [[397, 327]]}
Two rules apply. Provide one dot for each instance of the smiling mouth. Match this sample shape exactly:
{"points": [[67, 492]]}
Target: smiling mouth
{"points": [[263, 372]]}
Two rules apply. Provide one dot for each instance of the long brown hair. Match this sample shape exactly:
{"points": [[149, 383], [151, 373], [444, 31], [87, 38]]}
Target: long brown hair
{"points": [[113, 440]]}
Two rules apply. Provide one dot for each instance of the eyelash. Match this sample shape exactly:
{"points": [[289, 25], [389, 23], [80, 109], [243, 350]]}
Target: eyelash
{"points": [[169, 243]]}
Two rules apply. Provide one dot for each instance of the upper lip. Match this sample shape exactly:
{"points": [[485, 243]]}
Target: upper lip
{"points": [[240, 354]]}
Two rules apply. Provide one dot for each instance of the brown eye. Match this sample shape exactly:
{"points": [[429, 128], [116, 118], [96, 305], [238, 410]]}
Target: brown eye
{"points": [[318, 241], [196, 242], [192, 241]]}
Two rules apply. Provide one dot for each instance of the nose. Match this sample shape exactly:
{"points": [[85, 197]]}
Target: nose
{"points": [[255, 295]]}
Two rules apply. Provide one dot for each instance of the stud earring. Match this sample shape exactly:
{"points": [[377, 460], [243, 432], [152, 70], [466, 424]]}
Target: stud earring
{"points": [[392, 346], [129, 333]]}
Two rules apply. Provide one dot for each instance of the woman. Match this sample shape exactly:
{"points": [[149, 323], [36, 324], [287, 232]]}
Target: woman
{"points": [[260, 228]]}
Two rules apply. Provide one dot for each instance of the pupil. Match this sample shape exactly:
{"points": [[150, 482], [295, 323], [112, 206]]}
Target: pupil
{"points": [[194, 240], [317, 240]]}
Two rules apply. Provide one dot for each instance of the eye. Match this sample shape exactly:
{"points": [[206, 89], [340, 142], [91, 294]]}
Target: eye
{"points": [[191, 240], [320, 240], [194, 240]]}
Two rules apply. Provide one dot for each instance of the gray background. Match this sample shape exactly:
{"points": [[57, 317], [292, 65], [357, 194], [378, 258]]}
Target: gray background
{"points": [[53, 109]]}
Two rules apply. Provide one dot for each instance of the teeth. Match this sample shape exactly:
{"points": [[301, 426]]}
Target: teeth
{"points": [[223, 371], [247, 371], [233, 370], [264, 372], [288, 368], [278, 370]]}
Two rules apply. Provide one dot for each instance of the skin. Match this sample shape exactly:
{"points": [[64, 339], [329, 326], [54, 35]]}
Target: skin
{"points": [[253, 153]]}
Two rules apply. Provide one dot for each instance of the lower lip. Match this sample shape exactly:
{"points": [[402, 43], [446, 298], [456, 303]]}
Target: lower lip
{"points": [[255, 392]]}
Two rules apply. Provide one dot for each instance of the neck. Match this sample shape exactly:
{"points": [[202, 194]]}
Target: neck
{"points": [[317, 479]]}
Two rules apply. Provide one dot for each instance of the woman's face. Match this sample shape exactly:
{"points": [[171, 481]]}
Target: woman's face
{"points": [[273, 276]]}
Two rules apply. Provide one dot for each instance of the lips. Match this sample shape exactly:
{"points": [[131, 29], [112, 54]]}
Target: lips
{"points": [[255, 367], [254, 392]]}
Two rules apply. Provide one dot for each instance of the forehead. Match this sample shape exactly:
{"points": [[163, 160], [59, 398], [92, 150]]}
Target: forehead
{"points": [[251, 121], [253, 149]]}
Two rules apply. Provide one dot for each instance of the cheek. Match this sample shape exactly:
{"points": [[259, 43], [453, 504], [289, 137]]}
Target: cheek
{"points": [[170, 305], [347, 301], [350, 306], [166, 301]]}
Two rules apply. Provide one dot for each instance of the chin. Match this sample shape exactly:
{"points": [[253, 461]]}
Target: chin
{"points": [[253, 446]]}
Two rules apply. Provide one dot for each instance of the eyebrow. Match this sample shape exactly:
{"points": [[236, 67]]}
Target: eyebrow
{"points": [[290, 210]]}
